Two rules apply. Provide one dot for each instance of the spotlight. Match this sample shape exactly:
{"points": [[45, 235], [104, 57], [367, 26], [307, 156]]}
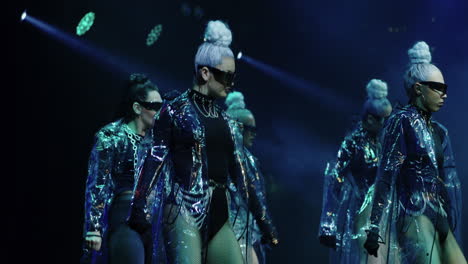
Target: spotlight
{"points": [[23, 15], [239, 55]]}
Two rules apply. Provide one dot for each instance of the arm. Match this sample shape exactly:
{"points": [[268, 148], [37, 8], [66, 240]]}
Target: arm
{"points": [[258, 203], [394, 153], [150, 171], [98, 185], [335, 192], [452, 184]]}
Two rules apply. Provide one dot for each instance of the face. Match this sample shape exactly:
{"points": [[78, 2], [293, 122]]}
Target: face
{"points": [[431, 99], [375, 123], [217, 88], [249, 131], [147, 114]]}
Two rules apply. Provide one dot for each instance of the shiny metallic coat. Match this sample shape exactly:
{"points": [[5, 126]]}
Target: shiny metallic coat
{"points": [[113, 154], [410, 182], [347, 184], [179, 133], [241, 217]]}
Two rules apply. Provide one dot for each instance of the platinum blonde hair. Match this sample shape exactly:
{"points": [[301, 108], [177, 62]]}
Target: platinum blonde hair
{"points": [[236, 107], [420, 66], [217, 39], [377, 102]]}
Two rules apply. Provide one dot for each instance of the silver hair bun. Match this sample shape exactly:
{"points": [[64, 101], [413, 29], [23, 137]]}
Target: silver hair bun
{"points": [[420, 53], [377, 89], [218, 33], [138, 78], [235, 100]]}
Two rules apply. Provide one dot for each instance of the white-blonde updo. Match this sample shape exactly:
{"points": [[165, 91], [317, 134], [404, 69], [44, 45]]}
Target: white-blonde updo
{"points": [[420, 66], [217, 39], [377, 103]]}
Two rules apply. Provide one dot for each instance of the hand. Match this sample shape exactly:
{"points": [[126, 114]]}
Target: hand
{"points": [[93, 240], [372, 243], [270, 239], [328, 241]]}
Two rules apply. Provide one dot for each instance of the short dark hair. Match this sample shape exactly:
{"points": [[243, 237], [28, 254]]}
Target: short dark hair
{"points": [[138, 88]]}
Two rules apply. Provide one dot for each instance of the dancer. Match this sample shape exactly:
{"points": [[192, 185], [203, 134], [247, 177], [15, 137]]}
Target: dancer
{"points": [[198, 151], [349, 181], [110, 183], [250, 239], [417, 202]]}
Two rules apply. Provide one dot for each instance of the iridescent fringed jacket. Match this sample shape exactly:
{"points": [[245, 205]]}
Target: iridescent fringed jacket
{"points": [[180, 136], [412, 181], [348, 185], [113, 155], [241, 217]]}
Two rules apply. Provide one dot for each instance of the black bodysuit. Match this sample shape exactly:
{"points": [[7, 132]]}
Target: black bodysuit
{"points": [[220, 158]]}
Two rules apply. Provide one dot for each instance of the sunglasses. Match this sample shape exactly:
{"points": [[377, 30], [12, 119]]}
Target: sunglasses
{"points": [[155, 106], [437, 86], [226, 78], [250, 129]]}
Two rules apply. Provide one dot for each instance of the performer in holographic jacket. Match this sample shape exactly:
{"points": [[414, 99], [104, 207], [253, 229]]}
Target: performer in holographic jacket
{"points": [[417, 202], [249, 238], [111, 179], [198, 151], [348, 183]]}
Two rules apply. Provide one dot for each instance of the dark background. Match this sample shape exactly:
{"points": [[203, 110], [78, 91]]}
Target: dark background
{"points": [[61, 95]]}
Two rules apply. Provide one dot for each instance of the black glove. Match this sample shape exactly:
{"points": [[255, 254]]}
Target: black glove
{"points": [[270, 239], [268, 230], [137, 221], [372, 243], [328, 241]]}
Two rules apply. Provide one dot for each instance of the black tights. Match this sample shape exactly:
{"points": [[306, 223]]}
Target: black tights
{"points": [[125, 245]]}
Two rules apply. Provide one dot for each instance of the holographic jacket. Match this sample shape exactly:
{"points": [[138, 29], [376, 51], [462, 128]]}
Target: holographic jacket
{"points": [[410, 182], [241, 217], [347, 182], [113, 154], [181, 135]]}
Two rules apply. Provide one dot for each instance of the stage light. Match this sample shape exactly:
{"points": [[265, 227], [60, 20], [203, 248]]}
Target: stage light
{"points": [[153, 36], [239, 55], [85, 23], [24, 15]]}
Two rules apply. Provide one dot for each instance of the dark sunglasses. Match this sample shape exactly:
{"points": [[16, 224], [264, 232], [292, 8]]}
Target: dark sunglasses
{"points": [[151, 105], [379, 119], [437, 86], [250, 129], [226, 78]]}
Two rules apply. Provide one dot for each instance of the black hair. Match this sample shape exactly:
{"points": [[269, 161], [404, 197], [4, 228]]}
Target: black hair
{"points": [[137, 89]]}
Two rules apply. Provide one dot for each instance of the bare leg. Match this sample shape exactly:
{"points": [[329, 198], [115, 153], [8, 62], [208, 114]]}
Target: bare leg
{"points": [[451, 252], [419, 240], [253, 258], [360, 225], [224, 248], [183, 241]]}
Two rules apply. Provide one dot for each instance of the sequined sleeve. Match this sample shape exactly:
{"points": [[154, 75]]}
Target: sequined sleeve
{"points": [[452, 183], [258, 199], [335, 187], [394, 153], [153, 163], [98, 184]]}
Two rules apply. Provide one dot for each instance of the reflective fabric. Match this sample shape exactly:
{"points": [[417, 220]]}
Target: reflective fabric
{"points": [[347, 193], [414, 193], [110, 172], [244, 223], [176, 167]]}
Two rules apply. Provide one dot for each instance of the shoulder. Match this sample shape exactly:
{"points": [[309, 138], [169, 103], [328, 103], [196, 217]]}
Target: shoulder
{"points": [[440, 129], [108, 134]]}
